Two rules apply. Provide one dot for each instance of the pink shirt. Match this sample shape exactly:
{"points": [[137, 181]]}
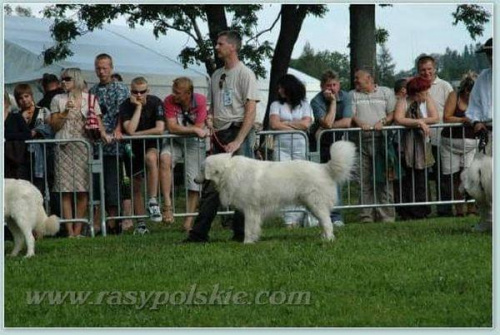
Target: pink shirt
{"points": [[197, 110]]}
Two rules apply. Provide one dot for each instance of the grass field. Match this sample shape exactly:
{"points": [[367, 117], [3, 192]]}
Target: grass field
{"points": [[432, 273]]}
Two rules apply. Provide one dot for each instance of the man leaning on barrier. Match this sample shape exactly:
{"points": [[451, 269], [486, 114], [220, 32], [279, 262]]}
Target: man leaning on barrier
{"points": [[142, 114], [480, 112], [234, 95], [373, 107], [186, 113], [332, 109], [110, 95]]}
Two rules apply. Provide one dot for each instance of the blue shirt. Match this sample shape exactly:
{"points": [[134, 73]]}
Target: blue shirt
{"points": [[110, 97], [480, 102], [320, 108]]}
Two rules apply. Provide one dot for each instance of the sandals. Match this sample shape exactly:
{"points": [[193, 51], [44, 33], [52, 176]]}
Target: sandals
{"points": [[167, 214]]}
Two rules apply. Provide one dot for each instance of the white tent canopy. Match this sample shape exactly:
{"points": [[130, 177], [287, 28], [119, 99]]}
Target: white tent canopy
{"points": [[135, 52]]}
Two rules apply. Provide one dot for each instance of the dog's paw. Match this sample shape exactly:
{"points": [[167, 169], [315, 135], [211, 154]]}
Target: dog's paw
{"points": [[29, 255], [329, 237], [249, 240]]}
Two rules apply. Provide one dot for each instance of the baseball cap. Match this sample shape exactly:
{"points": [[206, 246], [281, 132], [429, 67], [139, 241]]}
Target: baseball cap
{"points": [[487, 47]]}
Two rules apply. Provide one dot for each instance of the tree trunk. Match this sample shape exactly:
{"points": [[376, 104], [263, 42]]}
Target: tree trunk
{"points": [[217, 22], [292, 17], [362, 39]]}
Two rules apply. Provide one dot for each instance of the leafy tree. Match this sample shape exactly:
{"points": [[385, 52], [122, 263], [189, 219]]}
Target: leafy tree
{"points": [[364, 36], [183, 18], [23, 11], [453, 65], [315, 63], [474, 17], [8, 10], [385, 67]]}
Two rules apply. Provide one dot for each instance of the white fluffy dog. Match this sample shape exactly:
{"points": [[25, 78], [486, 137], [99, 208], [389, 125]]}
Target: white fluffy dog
{"points": [[476, 182], [261, 188], [24, 212]]}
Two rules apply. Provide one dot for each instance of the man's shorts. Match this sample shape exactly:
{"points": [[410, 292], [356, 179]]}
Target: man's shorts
{"points": [[192, 150]]}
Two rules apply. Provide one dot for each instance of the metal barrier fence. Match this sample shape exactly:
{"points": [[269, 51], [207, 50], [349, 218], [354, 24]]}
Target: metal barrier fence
{"points": [[377, 150]]}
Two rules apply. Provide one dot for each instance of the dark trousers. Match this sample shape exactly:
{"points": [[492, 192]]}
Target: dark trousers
{"points": [[210, 202], [414, 190], [209, 205], [442, 183]]}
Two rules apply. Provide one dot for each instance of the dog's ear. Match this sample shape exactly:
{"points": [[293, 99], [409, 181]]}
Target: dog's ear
{"points": [[212, 169]]}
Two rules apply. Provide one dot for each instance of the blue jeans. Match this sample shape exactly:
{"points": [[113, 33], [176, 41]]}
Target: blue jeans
{"points": [[335, 215]]}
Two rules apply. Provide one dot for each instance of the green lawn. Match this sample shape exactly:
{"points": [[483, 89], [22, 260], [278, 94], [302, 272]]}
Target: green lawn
{"points": [[432, 273]]}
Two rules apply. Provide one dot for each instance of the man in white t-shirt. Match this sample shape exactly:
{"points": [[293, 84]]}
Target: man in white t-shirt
{"points": [[440, 89], [234, 96], [480, 112]]}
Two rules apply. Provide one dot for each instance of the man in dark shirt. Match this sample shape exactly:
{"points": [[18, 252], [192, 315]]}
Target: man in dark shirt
{"points": [[51, 88], [143, 114]]}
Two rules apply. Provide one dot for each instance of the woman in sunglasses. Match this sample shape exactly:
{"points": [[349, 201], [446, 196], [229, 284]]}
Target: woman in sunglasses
{"points": [[69, 112]]}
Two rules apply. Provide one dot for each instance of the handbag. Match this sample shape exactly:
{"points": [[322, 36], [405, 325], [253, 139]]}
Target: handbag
{"points": [[429, 157], [92, 123]]}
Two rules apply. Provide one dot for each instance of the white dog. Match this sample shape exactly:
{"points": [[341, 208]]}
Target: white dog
{"points": [[476, 182], [261, 188], [24, 212]]}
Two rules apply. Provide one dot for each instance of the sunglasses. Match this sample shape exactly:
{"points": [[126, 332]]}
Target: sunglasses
{"points": [[222, 80], [139, 92], [66, 79]]}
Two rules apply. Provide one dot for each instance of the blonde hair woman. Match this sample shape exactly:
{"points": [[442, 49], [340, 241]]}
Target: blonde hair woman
{"points": [[69, 112]]}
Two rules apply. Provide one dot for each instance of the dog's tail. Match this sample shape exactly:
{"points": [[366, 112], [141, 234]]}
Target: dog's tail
{"points": [[46, 225], [343, 158]]}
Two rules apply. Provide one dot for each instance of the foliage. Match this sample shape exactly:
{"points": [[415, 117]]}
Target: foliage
{"points": [[385, 67], [315, 63], [8, 10], [19, 11], [431, 273], [473, 17], [183, 18], [23, 11], [453, 64], [381, 36]]}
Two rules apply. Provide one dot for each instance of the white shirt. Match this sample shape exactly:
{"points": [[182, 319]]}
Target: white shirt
{"points": [[480, 102], [439, 92], [285, 114]]}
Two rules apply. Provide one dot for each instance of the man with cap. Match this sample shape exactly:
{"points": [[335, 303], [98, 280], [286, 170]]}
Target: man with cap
{"points": [[480, 113]]}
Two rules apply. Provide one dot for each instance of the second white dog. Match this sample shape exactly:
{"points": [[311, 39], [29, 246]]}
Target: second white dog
{"points": [[261, 188], [476, 182], [24, 212]]}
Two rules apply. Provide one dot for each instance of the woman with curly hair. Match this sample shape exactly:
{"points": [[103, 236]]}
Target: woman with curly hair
{"points": [[290, 112]]}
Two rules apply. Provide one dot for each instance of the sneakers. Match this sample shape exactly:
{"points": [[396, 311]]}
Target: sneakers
{"points": [[154, 211], [141, 229]]}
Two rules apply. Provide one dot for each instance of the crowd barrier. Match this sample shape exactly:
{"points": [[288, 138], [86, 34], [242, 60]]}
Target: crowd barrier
{"points": [[385, 145]]}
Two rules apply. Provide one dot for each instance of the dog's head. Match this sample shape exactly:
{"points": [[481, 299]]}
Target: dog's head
{"points": [[215, 167]]}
